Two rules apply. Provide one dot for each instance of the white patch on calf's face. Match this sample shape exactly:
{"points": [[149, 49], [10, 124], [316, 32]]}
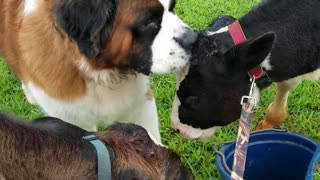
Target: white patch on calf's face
{"points": [[224, 29], [29, 7], [185, 130], [196, 133], [167, 54], [181, 75]]}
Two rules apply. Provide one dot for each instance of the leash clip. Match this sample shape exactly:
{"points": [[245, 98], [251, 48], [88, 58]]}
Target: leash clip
{"points": [[250, 97]]}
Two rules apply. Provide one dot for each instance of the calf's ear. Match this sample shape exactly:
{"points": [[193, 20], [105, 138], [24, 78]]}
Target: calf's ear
{"points": [[87, 22], [249, 54]]}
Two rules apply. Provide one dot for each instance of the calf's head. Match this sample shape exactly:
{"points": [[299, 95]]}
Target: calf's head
{"points": [[136, 156], [209, 95]]}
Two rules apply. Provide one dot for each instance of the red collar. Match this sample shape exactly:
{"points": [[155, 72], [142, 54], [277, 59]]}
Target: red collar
{"points": [[237, 33], [238, 36]]}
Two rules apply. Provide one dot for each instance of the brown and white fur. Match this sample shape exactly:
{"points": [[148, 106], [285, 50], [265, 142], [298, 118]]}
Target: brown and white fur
{"points": [[87, 62]]}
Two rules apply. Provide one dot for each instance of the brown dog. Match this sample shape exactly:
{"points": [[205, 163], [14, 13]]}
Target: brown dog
{"points": [[49, 148]]}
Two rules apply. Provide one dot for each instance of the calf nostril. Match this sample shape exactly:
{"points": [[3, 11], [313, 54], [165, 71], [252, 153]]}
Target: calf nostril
{"points": [[176, 130]]}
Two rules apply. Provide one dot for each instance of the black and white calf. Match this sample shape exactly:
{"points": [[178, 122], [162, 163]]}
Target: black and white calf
{"points": [[283, 37]]}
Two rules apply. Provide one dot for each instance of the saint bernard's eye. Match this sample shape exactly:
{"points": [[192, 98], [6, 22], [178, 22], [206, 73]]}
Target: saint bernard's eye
{"points": [[151, 25]]}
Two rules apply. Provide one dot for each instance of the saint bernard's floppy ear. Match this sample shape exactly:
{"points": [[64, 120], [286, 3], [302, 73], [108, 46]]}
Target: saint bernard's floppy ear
{"points": [[87, 22]]}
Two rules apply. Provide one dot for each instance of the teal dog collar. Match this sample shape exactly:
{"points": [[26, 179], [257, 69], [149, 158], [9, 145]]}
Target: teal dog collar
{"points": [[103, 157]]}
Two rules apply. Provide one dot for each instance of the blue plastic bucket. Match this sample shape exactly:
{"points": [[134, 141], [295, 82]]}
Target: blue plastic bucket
{"points": [[315, 160], [273, 155]]}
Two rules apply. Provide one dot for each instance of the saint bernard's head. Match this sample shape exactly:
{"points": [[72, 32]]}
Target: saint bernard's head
{"points": [[143, 35]]}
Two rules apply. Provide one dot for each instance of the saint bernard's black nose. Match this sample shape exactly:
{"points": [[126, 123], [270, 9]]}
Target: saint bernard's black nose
{"points": [[187, 39]]}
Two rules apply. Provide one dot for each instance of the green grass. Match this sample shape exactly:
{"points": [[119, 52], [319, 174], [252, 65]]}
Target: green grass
{"points": [[303, 107]]}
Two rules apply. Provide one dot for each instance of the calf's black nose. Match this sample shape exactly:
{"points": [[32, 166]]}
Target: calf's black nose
{"points": [[187, 39]]}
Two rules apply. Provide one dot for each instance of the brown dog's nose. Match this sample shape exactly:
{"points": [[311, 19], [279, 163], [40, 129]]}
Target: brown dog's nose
{"points": [[187, 39], [176, 170], [185, 174]]}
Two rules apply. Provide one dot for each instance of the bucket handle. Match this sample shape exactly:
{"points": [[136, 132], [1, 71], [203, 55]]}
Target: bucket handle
{"points": [[315, 160], [278, 129], [224, 163]]}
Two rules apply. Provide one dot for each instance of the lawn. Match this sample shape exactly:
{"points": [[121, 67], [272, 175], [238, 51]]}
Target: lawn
{"points": [[303, 108]]}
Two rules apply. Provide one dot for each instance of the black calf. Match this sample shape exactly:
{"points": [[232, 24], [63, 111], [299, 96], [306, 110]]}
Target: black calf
{"points": [[283, 38]]}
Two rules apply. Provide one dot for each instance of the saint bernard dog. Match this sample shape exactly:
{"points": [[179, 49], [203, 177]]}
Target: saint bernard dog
{"points": [[87, 61]]}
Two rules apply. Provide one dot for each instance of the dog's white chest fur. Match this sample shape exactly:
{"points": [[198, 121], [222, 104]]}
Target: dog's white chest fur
{"points": [[123, 101]]}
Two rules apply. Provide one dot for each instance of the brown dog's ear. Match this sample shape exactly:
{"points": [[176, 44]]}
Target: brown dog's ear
{"points": [[250, 54], [87, 22], [134, 134]]}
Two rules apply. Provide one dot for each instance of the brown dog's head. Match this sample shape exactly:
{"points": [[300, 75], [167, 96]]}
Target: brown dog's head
{"points": [[136, 156], [133, 153], [143, 35]]}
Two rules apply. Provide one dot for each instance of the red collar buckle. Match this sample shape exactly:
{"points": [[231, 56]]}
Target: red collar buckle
{"points": [[262, 79], [257, 72]]}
